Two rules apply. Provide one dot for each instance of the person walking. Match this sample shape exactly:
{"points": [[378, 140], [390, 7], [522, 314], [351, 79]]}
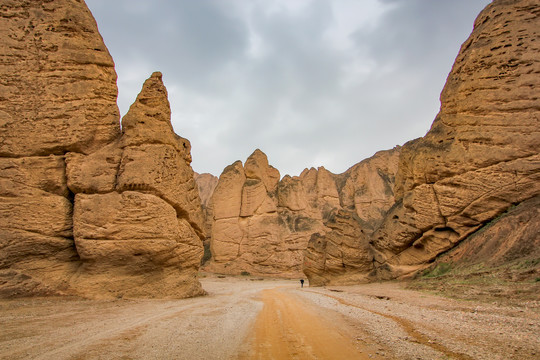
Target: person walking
{"points": [[301, 282]]}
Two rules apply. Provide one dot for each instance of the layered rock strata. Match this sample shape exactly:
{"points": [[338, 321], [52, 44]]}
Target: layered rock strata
{"points": [[262, 224], [480, 156], [512, 237], [85, 209]]}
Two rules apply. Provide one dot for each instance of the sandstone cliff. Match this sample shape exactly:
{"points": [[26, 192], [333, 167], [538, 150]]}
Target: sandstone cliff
{"points": [[479, 158], [84, 208], [262, 224]]}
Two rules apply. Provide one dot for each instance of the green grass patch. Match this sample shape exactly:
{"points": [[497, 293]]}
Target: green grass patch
{"points": [[439, 270]]}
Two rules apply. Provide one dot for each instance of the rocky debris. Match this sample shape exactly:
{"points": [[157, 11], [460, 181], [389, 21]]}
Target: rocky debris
{"points": [[262, 225], [86, 209], [480, 156]]}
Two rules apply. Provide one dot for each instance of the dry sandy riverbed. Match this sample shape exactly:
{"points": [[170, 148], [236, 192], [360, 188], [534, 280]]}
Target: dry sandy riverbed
{"points": [[247, 318]]}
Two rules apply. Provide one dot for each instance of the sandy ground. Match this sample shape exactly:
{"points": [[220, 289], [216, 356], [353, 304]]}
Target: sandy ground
{"points": [[249, 318]]}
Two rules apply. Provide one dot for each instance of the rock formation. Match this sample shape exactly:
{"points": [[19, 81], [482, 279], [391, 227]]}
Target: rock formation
{"points": [[366, 194], [262, 224], [137, 215], [206, 183], [511, 237], [85, 209], [479, 158]]}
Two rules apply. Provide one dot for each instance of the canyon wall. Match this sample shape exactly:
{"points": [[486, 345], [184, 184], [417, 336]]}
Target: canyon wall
{"points": [[87, 208], [261, 224], [480, 157]]}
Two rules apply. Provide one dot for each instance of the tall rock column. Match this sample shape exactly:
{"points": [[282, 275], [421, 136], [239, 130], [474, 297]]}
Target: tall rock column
{"points": [[251, 233], [85, 209], [137, 221]]}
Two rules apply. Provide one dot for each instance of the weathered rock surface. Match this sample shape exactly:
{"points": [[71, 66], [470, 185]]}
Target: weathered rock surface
{"points": [[513, 236], [141, 222], [206, 184], [57, 80], [56, 95], [481, 154], [343, 255], [367, 188], [85, 209], [262, 225]]}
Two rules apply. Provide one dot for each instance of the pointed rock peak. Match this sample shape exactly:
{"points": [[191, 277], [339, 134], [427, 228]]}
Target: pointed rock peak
{"points": [[258, 152], [154, 94], [286, 178], [235, 167], [257, 168], [149, 118], [256, 165], [152, 102]]}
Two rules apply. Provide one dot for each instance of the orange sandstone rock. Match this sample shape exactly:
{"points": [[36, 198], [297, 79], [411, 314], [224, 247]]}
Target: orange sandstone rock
{"points": [[262, 225], [480, 156], [86, 210]]}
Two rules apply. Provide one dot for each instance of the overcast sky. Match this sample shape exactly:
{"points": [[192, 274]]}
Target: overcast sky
{"points": [[309, 82]]}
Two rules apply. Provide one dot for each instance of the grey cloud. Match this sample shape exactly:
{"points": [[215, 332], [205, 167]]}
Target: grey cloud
{"points": [[191, 39], [415, 32], [297, 99]]}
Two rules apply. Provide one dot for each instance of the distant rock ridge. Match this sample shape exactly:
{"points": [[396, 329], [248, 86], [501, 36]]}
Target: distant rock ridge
{"points": [[261, 224], [86, 208], [480, 157]]}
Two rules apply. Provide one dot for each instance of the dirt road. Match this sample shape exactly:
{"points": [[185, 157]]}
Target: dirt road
{"points": [[244, 318], [288, 328]]}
